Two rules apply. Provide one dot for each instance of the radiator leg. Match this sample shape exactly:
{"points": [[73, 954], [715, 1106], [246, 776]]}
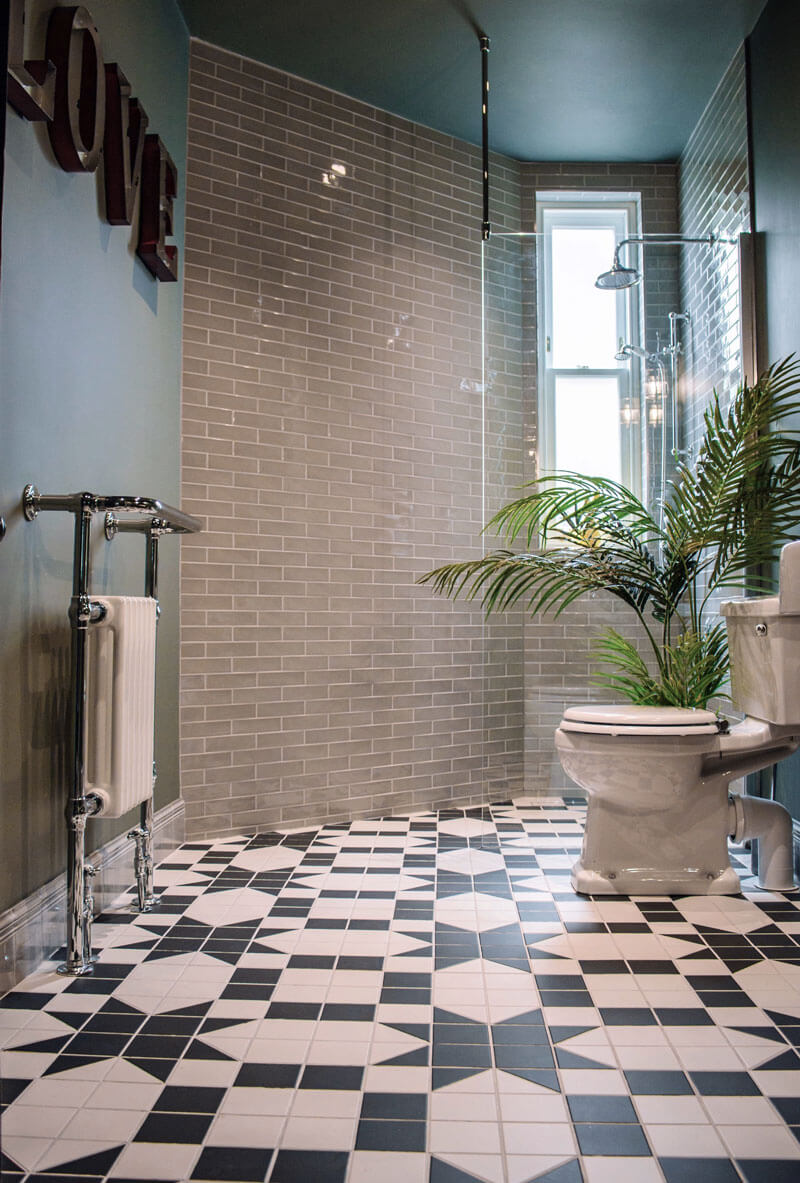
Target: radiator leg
{"points": [[89, 872], [142, 836], [79, 937], [150, 898]]}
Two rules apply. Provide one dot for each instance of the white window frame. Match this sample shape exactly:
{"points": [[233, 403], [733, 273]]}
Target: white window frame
{"points": [[598, 209]]}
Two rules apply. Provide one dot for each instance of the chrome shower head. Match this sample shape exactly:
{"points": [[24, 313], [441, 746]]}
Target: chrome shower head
{"points": [[626, 352], [618, 277]]}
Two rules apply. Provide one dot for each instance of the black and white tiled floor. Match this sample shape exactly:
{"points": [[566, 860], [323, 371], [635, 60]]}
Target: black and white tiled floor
{"points": [[412, 1000]]}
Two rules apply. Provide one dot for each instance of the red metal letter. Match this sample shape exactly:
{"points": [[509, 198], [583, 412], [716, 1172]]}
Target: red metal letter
{"points": [[123, 147], [76, 131], [159, 186], [30, 84]]}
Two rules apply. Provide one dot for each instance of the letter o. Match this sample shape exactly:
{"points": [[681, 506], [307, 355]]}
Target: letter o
{"points": [[78, 124]]}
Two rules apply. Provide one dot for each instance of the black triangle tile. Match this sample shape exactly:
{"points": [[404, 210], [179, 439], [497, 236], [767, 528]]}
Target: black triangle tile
{"points": [[115, 1007], [568, 1172], [74, 1019], [762, 1032], [418, 1030], [568, 1059], [446, 1016], [64, 1063], [196, 1011], [10, 1089], [544, 1076], [145, 943], [418, 1058], [781, 1019], [417, 936], [528, 1019], [445, 1076], [203, 1051], [93, 1164], [220, 1025], [160, 954], [736, 962], [537, 955], [448, 960], [227, 958], [495, 890], [160, 1069], [46, 1045], [512, 962], [559, 1034], [789, 1061]]}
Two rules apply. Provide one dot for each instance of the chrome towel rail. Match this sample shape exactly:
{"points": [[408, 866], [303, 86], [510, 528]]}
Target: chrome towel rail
{"points": [[151, 528], [160, 519], [173, 521]]}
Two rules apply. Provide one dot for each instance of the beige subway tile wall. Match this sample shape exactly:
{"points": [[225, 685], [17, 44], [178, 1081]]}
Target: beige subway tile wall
{"points": [[338, 441]]}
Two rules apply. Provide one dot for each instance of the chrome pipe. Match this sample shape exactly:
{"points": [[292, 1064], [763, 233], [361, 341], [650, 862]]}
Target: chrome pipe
{"points": [[483, 40], [79, 806], [83, 611], [174, 520], [142, 835], [89, 872]]}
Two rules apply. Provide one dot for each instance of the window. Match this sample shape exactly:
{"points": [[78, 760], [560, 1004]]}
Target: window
{"points": [[588, 400]]}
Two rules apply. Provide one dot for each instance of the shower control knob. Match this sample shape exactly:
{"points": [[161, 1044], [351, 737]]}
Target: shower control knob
{"points": [[761, 630]]}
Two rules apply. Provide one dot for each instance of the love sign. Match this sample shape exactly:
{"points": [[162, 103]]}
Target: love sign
{"points": [[92, 116]]}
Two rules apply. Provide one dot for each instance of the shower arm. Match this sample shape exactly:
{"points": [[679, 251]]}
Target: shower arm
{"points": [[666, 239]]}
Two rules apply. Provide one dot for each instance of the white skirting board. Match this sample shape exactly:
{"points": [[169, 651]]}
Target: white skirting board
{"points": [[33, 928]]}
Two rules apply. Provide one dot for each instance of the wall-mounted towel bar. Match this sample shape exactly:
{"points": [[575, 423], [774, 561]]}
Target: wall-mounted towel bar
{"points": [[83, 613], [174, 521]]}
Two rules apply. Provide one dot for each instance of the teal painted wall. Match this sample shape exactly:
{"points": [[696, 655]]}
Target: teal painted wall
{"points": [[774, 86], [90, 394]]}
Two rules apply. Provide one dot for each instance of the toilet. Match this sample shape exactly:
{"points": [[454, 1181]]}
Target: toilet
{"points": [[659, 810]]}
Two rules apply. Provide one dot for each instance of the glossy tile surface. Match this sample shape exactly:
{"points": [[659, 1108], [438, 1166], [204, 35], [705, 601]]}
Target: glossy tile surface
{"points": [[412, 1000]]}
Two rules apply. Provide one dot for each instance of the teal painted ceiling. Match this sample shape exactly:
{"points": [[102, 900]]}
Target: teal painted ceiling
{"points": [[569, 79]]}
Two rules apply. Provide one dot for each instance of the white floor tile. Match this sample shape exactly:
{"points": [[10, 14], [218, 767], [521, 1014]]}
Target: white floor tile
{"points": [[686, 1141], [760, 1141]]}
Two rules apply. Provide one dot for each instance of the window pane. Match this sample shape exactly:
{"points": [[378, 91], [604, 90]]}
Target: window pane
{"points": [[584, 318], [588, 426]]}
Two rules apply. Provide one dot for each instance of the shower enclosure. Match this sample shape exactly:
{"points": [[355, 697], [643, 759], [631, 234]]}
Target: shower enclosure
{"points": [[676, 343]]}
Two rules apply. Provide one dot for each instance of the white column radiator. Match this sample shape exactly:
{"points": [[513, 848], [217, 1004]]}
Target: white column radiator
{"points": [[120, 703]]}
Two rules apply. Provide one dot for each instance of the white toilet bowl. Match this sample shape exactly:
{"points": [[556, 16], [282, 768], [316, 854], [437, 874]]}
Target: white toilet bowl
{"points": [[659, 811]]}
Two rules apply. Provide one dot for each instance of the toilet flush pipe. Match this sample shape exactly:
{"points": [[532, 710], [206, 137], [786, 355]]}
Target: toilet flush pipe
{"points": [[771, 825]]}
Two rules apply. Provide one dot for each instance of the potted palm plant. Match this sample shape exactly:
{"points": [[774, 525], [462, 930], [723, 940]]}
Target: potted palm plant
{"points": [[721, 526]]}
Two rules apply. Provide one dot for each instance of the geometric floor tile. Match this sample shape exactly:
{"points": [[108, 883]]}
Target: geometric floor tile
{"points": [[419, 999]]}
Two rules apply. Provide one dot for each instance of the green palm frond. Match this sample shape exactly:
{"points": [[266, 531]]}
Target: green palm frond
{"points": [[565, 504], [691, 671], [724, 518], [546, 582], [628, 673], [738, 451]]}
